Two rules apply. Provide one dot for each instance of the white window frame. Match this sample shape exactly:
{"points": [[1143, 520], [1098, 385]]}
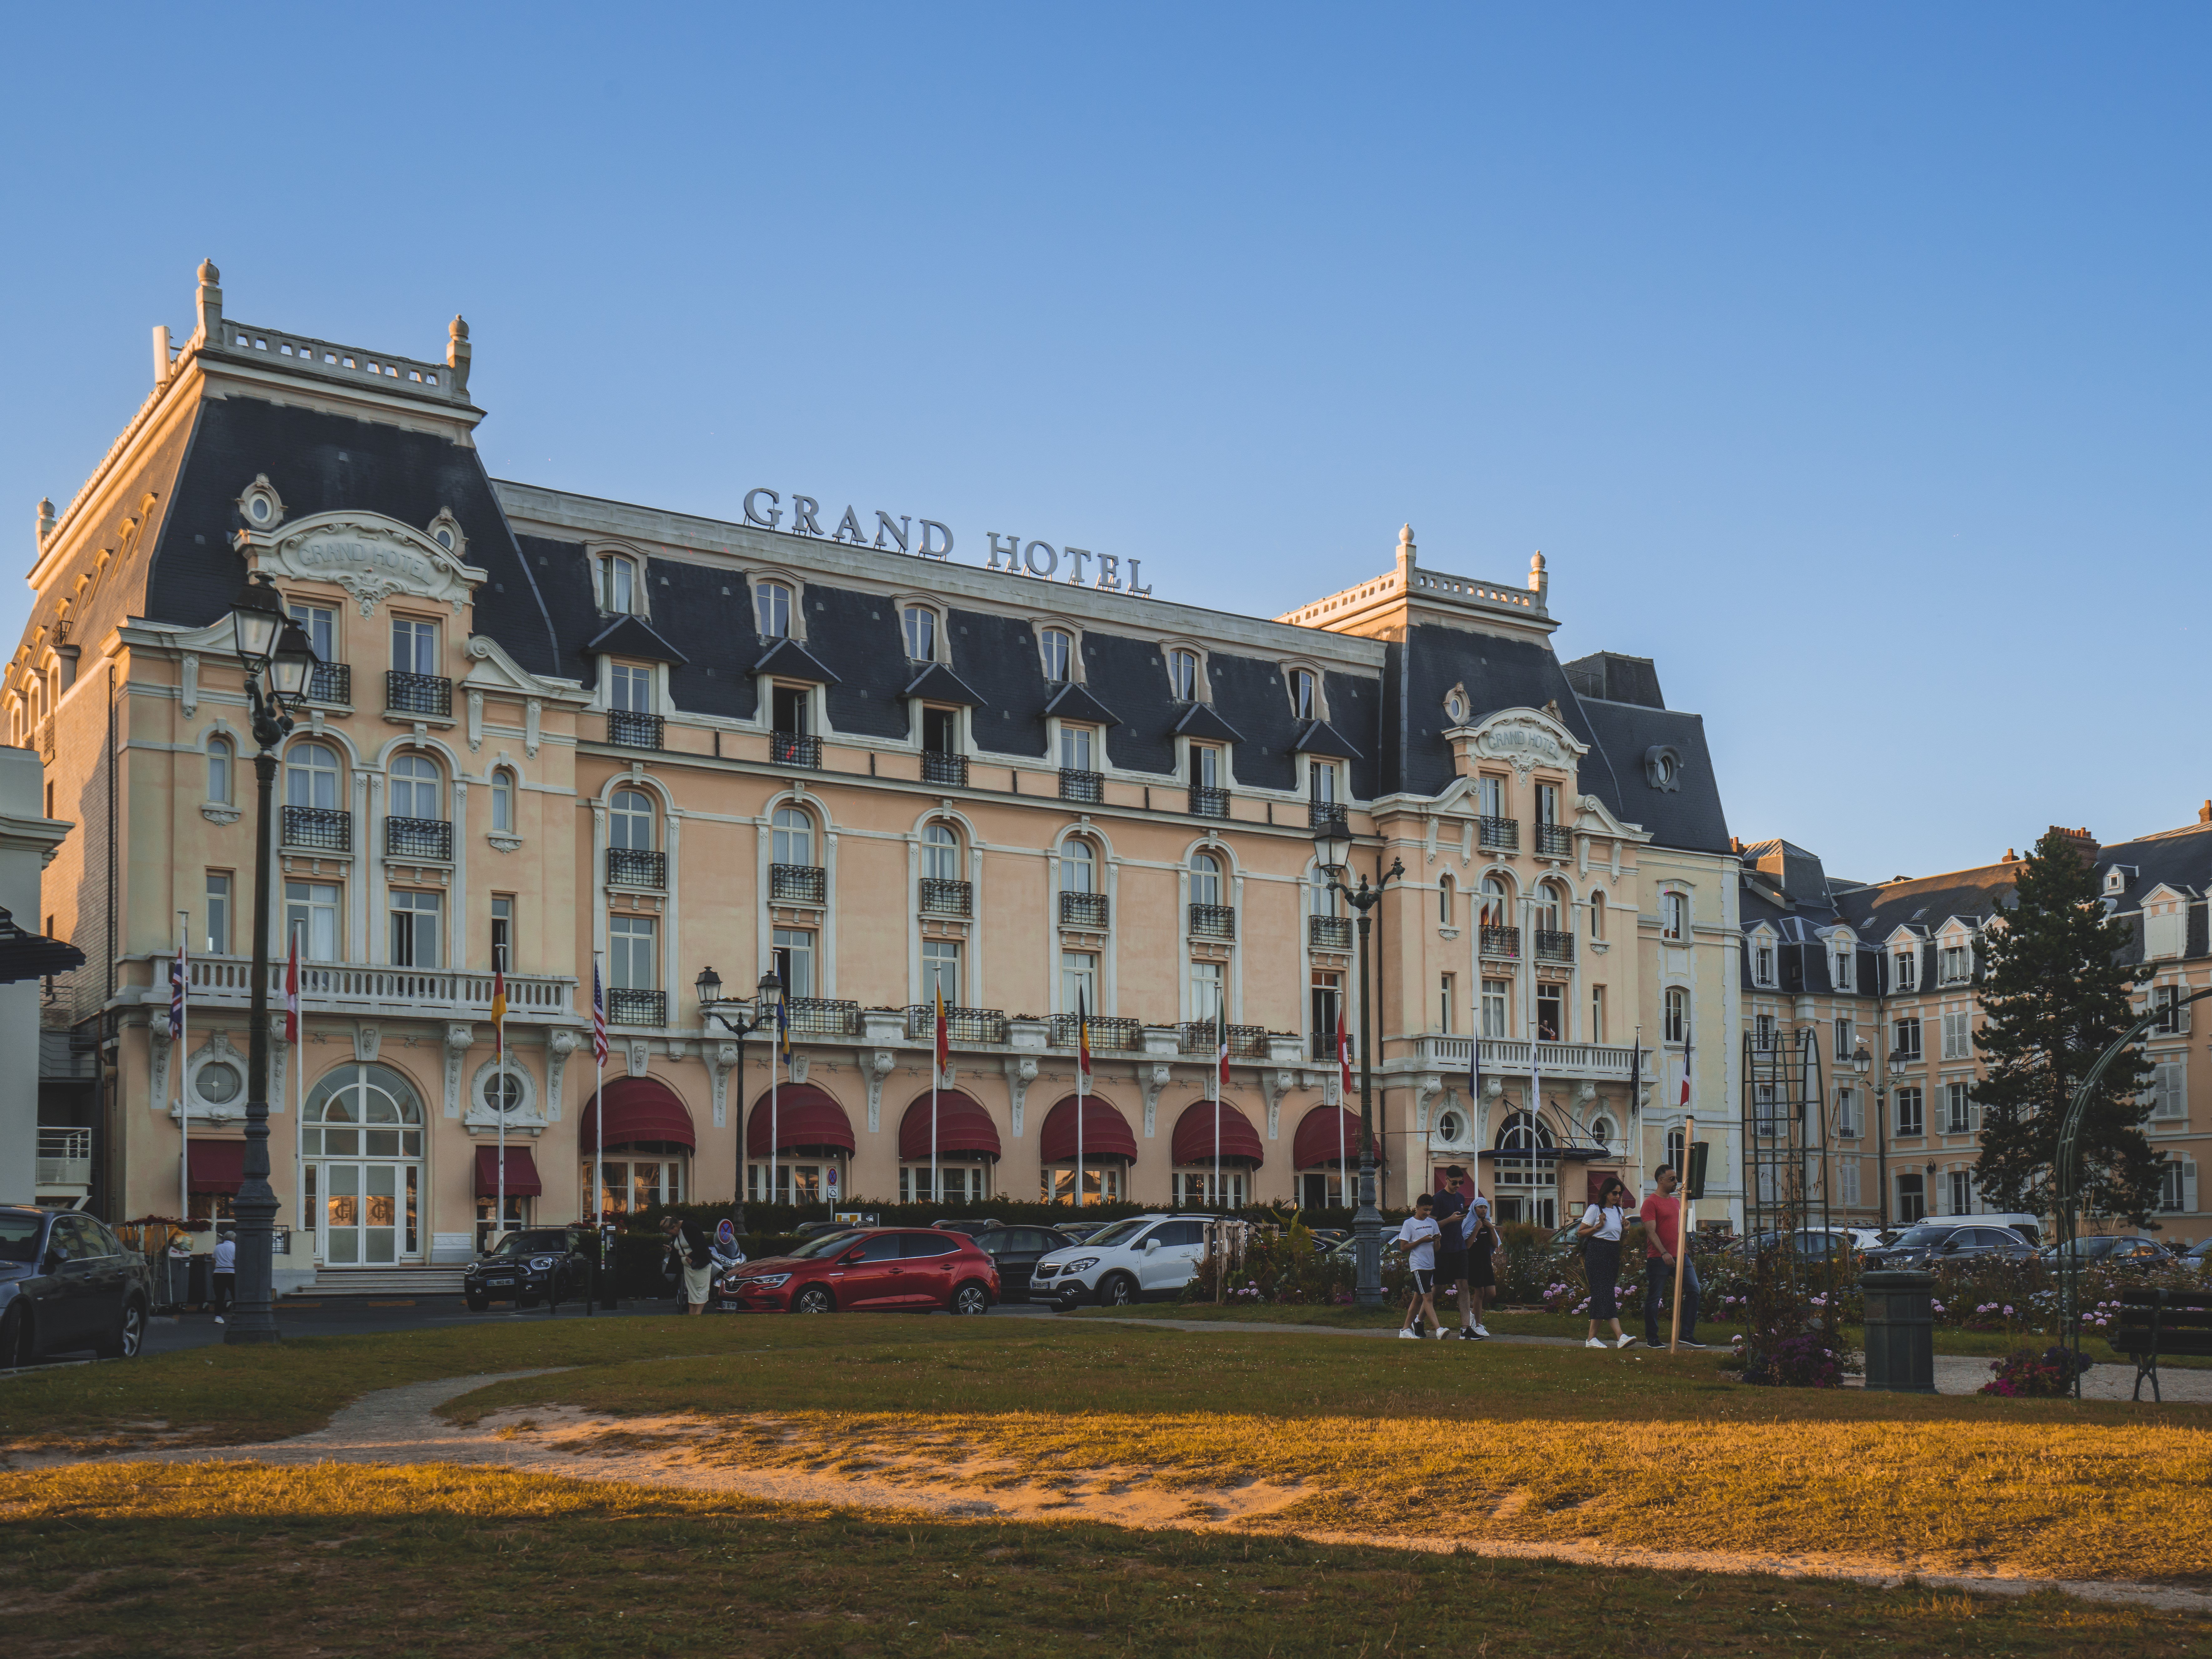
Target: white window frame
{"points": [[794, 604], [934, 644], [1674, 923], [632, 567]]}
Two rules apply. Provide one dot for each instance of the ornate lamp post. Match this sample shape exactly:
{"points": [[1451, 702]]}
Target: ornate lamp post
{"points": [[267, 644], [1332, 851], [740, 1026]]}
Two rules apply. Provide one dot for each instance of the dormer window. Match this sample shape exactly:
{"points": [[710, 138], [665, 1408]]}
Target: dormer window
{"points": [[1183, 675], [1956, 965], [919, 623], [1905, 970], [1058, 647], [619, 587], [772, 611], [1845, 969], [1762, 964], [1303, 694]]}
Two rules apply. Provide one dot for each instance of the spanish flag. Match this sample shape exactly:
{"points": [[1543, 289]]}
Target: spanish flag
{"points": [[943, 1034]]}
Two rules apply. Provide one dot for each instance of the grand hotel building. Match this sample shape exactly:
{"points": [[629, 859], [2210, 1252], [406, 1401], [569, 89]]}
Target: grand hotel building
{"points": [[559, 726]]}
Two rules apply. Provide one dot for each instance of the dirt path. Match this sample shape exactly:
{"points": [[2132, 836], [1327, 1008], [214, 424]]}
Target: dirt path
{"points": [[754, 1457]]}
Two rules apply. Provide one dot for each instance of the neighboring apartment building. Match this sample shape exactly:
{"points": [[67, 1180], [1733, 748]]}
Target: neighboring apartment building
{"points": [[1895, 967], [570, 731]]}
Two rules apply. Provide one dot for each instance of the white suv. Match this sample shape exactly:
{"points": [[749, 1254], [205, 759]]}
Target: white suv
{"points": [[1144, 1258]]}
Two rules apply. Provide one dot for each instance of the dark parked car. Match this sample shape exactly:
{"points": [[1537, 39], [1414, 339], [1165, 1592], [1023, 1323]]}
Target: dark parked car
{"points": [[1016, 1249], [68, 1285], [532, 1265], [887, 1268], [971, 1225], [2113, 1250], [1935, 1244]]}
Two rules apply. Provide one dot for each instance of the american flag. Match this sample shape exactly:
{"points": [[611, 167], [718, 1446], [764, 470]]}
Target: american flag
{"points": [[598, 1018], [176, 975]]}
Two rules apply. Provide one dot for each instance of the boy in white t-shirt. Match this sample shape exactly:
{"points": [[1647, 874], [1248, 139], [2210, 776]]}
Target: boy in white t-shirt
{"points": [[1417, 1238]]}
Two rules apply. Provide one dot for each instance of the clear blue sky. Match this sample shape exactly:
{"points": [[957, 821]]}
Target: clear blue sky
{"points": [[1850, 362]]}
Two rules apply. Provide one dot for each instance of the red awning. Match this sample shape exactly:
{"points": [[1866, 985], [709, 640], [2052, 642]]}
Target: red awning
{"points": [[217, 1166], [638, 1108], [806, 1118], [963, 1127], [1315, 1144], [1194, 1140], [1105, 1132], [522, 1180]]}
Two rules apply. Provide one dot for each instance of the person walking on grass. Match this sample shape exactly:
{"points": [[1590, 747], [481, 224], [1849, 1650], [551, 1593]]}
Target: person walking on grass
{"points": [[1449, 1211], [1482, 1242], [1417, 1238], [1662, 1240], [1600, 1232]]}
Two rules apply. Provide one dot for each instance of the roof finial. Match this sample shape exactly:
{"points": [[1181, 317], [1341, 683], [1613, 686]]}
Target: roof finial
{"points": [[1539, 583], [458, 353], [46, 518], [210, 305], [1405, 553]]}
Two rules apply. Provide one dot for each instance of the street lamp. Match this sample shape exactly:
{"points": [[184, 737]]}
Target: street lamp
{"points": [[740, 1026], [1333, 851], [268, 644]]}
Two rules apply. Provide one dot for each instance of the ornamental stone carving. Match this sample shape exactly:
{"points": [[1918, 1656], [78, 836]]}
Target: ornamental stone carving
{"points": [[1525, 738], [1021, 1072], [369, 555]]}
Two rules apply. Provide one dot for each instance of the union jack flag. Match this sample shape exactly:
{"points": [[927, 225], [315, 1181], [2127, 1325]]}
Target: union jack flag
{"points": [[598, 1018]]}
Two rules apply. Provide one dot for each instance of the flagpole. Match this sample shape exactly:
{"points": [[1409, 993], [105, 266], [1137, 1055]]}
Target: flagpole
{"points": [[184, 1046], [1220, 1059], [598, 1107], [1343, 1088], [299, 1089], [499, 1041], [1082, 1056], [1681, 1233], [935, 1065]]}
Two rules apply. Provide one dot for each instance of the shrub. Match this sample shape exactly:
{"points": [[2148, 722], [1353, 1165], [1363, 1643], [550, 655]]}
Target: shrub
{"points": [[2025, 1374], [1794, 1325]]}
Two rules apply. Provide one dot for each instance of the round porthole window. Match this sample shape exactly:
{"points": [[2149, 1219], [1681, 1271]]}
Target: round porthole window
{"points": [[502, 1091], [1456, 707], [257, 509], [446, 540], [219, 1082], [1449, 1127]]}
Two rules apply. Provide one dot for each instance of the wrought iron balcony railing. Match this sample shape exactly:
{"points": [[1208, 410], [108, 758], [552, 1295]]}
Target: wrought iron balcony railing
{"points": [[1501, 941], [331, 682], [797, 883], [1213, 921], [824, 1016], [636, 867], [1198, 1036], [1554, 841], [430, 695], [1109, 1033], [961, 1024], [318, 829], [941, 896], [1554, 946], [1208, 803], [1498, 834], [939, 768], [1324, 1044], [1082, 909], [418, 838], [1320, 813], [1077, 785], [626, 1006], [632, 730], [795, 749], [1329, 932]]}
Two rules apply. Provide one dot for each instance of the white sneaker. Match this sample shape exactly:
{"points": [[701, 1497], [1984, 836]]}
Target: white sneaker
{"points": [[218, 1319], [1625, 1339], [1409, 1332], [1442, 1332], [1482, 1330], [1594, 1342]]}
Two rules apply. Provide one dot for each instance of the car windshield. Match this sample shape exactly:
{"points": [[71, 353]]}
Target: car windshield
{"points": [[827, 1244], [1120, 1232], [19, 1237], [529, 1244], [1916, 1237], [2087, 1248]]}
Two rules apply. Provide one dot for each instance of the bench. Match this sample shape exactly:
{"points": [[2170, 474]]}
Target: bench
{"points": [[2161, 1322]]}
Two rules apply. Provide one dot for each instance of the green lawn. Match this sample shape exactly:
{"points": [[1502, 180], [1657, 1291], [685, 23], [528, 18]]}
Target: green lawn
{"points": [[210, 1560]]}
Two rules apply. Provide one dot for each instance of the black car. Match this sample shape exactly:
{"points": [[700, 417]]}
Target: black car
{"points": [[2126, 1250], [68, 1285], [1936, 1243], [1016, 1249], [532, 1265]]}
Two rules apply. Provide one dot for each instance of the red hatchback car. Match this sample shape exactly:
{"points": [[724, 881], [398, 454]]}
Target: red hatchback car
{"points": [[887, 1268]]}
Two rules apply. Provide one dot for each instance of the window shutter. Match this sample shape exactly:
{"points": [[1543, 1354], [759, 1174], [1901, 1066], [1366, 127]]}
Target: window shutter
{"points": [[2189, 1186]]}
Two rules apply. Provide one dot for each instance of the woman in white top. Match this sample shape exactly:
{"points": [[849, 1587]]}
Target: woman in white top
{"points": [[1600, 1232]]}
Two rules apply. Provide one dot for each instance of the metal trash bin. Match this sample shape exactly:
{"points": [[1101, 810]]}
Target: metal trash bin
{"points": [[176, 1280], [1901, 1331]]}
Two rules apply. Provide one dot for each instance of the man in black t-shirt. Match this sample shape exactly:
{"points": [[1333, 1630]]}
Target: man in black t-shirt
{"points": [[1449, 1209]]}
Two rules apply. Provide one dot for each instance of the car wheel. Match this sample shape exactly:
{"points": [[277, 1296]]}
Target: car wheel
{"points": [[1119, 1290], [813, 1300], [16, 1346], [130, 1333], [971, 1298], [478, 1304]]}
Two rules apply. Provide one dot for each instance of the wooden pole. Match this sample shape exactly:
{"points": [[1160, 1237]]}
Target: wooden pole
{"points": [[1682, 1231]]}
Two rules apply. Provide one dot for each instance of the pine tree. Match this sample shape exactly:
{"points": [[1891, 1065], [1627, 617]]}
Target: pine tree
{"points": [[2056, 995]]}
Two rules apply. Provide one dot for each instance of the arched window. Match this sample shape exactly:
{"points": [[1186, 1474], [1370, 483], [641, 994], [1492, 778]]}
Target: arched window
{"points": [[1322, 899], [1183, 675], [1551, 902], [1079, 865], [1301, 694], [362, 1140], [417, 788], [772, 611], [311, 775], [919, 623], [1520, 1132], [219, 757], [1597, 915], [1059, 647], [1497, 903], [502, 801], [630, 820], [1677, 1020], [619, 588], [940, 853], [794, 837], [1447, 901], [1204, 879]]}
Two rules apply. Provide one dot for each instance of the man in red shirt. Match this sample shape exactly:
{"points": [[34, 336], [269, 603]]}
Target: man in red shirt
{"points": [[1663, 1236]]}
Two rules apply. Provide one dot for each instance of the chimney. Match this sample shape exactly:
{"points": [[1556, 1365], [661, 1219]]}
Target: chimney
{"points": [[210, 301], [2083, 844], [2205, 813], [457, 355]]}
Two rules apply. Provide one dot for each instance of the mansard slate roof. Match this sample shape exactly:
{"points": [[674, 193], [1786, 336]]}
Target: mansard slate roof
{"points": [[1388, 721]]}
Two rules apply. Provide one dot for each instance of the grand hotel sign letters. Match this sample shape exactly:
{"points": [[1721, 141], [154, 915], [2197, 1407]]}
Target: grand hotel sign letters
{"points": [[927, 539]]}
